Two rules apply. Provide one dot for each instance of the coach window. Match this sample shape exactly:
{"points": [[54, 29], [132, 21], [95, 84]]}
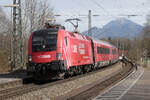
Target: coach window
{"points": [[65, 41], [102, 50], [114, 52]]}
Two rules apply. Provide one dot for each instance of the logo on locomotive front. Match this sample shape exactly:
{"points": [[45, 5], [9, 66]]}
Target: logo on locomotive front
{"points": [[44, 56]]}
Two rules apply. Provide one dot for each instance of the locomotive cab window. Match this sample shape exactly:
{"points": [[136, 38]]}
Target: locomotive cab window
{"points": [[44, 40]]}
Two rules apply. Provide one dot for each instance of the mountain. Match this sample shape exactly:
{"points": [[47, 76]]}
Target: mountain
{"points": [[116, 28]]}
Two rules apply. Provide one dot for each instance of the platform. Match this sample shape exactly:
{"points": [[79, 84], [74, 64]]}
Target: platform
{"points": [[10, 80], [135, 87]]}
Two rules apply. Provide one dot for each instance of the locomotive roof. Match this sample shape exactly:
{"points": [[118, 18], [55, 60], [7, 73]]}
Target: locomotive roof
{"points": [[79, 36], [45, 30], [104, 43]]}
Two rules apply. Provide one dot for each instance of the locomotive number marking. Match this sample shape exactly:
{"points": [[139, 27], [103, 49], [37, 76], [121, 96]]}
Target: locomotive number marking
{"points": [[85, 57]]}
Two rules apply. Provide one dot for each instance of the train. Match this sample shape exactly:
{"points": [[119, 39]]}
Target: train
{"points": [[56, 52]]}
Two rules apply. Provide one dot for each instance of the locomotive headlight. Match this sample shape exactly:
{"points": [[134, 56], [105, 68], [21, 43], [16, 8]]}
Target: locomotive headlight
{"points": [[30, 58], [58, 55]]}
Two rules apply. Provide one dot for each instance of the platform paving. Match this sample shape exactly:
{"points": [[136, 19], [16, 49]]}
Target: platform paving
{"points": [[8, 77], [135, 87], [10, 80]]}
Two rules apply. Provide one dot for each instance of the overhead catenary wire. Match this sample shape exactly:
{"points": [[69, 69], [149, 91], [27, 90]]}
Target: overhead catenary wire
{"points": [[100, 6]]}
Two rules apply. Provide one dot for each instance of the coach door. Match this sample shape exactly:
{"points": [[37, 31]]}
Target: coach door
{"points": [[110, 55]]}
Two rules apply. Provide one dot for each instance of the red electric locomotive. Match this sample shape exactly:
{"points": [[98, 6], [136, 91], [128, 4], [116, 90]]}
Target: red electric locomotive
{"points": [[57, 52], [52, 52]]}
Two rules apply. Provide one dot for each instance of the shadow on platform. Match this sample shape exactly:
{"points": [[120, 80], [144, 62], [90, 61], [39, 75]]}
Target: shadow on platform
{"points": [[16, 74]]}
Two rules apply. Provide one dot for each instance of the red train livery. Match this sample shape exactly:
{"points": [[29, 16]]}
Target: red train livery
{"points": [[55, 52]]}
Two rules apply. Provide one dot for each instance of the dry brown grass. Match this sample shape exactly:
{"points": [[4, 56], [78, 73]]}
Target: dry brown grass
{"points": [[147, 66], [4, 64]]}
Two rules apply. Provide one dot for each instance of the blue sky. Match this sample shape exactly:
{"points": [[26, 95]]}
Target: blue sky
{"points": [[107, 9]]}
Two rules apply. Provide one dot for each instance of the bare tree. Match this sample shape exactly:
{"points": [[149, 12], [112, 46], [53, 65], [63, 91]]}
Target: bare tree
{"points": [[34, 16], [4, 22], [5, 31], [35, 13]]}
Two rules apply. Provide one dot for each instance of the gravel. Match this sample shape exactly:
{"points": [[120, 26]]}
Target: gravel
{"points": [[9, 83], [54, 91]]}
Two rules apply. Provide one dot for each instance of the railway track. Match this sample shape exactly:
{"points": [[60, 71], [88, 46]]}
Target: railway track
{"points": [[92, 92], [20, 90]]}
